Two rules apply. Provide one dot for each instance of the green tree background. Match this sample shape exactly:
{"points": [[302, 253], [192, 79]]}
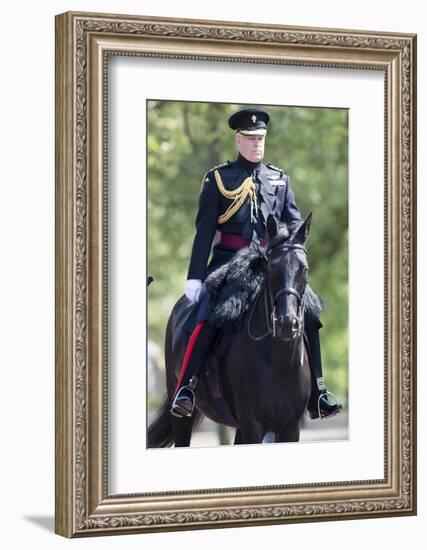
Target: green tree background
{"points": [[311, 144]]}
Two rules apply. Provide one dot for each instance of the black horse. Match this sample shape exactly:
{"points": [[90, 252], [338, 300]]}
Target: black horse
{"points": [[264, 371]]}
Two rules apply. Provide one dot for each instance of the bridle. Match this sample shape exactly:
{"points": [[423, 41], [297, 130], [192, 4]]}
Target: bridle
{"points": [[271, 301]]}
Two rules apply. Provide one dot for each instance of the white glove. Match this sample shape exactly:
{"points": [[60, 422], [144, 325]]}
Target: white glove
{"points": [[193, 289]]}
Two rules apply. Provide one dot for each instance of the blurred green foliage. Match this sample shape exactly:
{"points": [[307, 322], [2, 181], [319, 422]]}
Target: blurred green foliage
{"points": [[186, 139]]}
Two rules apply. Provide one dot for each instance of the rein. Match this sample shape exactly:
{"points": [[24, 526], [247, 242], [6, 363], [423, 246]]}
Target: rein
{"points": [[270, 302]]}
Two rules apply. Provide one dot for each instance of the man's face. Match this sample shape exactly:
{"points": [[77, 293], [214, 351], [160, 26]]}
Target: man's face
{"points": [[251, 147]]}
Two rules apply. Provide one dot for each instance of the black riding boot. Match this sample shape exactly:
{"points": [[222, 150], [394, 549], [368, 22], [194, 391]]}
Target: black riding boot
{"points": [[318, 404], [184, 399]]}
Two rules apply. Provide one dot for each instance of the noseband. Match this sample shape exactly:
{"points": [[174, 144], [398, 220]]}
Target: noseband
{"points": [[270, 301]]}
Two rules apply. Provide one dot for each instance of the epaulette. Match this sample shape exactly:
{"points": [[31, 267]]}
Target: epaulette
{"points": [[276, 168], [205, 179]]}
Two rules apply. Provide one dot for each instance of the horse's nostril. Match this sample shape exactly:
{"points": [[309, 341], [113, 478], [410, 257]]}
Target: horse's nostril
{"points": [[289, 323]]}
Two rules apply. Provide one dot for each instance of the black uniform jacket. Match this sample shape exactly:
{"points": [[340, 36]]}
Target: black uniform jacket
{"points": [[274, 195]]}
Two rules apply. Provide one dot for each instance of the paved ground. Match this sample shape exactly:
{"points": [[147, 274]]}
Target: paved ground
{"points": [[332, 429]]}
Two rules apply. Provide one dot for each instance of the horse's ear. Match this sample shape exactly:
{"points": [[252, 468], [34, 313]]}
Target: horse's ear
{"points": [[303, 231], [272, 228]]}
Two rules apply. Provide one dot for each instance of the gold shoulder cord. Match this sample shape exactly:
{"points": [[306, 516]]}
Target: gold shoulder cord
{"points": [[204, 179], [238, 196]]}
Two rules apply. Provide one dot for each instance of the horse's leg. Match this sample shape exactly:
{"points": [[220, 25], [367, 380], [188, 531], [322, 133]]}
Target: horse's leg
{"points": [[238, 437], [251, 432], [289, 433], [182, 429]]}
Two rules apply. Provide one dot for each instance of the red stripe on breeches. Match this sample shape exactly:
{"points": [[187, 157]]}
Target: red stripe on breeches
{"points": [[187, 355]]}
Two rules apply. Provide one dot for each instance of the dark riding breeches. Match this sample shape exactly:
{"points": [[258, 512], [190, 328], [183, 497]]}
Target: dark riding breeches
{"points": [[199, 352]]}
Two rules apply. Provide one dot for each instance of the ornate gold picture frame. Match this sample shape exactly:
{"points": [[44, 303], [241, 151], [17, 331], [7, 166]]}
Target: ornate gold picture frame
{"points": [[84, 43]]}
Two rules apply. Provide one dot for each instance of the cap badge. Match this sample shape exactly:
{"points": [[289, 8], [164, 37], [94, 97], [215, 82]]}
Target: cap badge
{"points": [[253, 118]]}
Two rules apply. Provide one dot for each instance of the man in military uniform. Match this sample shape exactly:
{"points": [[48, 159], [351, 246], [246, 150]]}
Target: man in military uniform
{"points": [[236, 199]]}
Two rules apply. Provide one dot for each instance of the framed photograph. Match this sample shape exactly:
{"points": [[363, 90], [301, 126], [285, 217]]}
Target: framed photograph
{"points": [[314, 143], [155, 121]]}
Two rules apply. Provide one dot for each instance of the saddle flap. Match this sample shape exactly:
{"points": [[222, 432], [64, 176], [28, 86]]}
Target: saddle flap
{"points": [[224, 340], [215, 388]]}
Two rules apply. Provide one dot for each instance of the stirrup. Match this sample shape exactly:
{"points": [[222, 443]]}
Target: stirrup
{"points": [[179, 411], [318, 405]]}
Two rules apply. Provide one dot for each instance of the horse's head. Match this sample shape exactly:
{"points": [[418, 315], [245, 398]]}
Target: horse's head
{"points": [[287, 273]]}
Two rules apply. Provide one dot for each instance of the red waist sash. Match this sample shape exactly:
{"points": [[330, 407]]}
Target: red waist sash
{"points": [[235, 241]]}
